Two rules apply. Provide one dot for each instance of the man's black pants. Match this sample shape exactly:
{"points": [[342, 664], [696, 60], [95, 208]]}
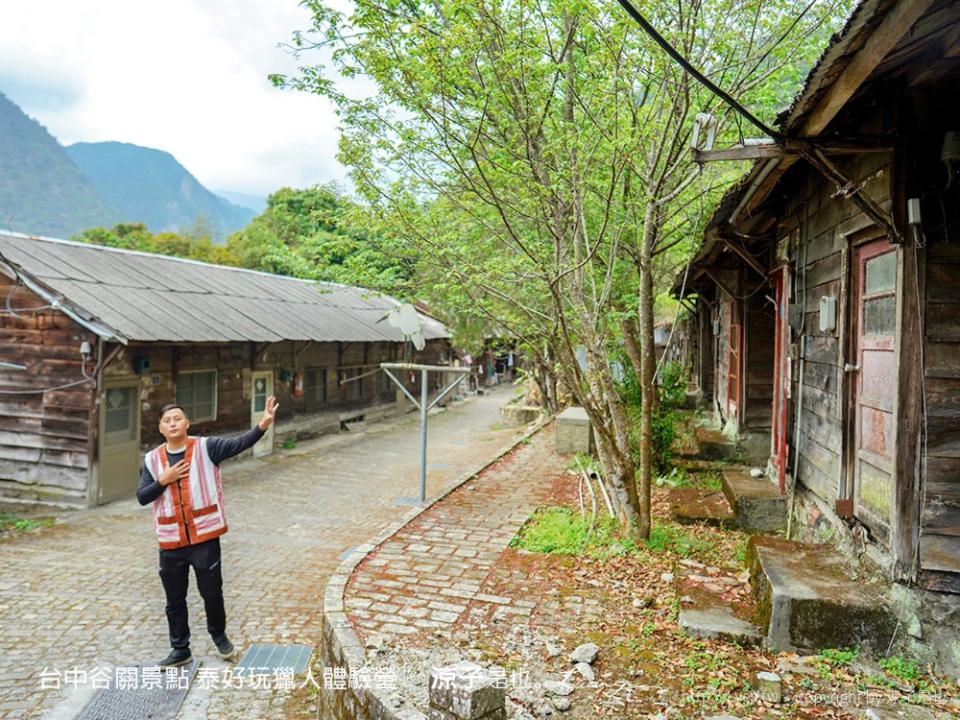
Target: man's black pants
{"points": [[175, 575]]}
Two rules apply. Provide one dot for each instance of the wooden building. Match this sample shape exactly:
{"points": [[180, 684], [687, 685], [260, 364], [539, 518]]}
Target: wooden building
{"points": [[105, 338], [828, 290]]}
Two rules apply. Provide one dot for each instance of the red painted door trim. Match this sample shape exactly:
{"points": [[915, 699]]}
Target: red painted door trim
{"points": [[781, 375]]}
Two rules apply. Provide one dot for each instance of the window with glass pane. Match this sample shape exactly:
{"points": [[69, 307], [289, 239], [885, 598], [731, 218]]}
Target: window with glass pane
{"points": [[197, 394], [881, 274], [879, 316], [259, 394], [119, 423], [315, 386], [354, 388]]}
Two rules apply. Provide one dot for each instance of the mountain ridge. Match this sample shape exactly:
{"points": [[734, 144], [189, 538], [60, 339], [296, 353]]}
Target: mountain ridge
{"points": [[42, 191], [151, 186]]}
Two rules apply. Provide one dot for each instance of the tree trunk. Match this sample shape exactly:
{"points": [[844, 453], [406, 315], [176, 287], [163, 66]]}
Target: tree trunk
{"points": [[632, 345], [647, 362]]}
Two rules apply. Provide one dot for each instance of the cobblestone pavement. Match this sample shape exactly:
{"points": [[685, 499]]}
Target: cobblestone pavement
{"points": [[430, 575], [85, 593]]}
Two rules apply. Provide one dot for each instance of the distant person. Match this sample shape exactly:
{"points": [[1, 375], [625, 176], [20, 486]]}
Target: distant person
{"points": [[182, 480]]}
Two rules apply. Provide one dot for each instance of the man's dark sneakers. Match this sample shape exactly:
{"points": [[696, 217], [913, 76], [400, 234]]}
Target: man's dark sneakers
{"points": [[224, 647], [177, 657]]}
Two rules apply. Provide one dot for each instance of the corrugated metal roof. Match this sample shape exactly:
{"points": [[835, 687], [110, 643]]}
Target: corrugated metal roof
{"points": [[144, 297]]}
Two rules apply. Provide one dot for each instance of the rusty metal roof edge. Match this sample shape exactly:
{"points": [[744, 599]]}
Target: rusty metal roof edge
{"points": [[75, 312], [91, 322]]}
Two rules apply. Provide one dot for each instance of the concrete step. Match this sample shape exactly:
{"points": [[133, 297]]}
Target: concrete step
{"points": [[712, 444], [693, 505], [808, 599], [715, 606], [757, 503]]}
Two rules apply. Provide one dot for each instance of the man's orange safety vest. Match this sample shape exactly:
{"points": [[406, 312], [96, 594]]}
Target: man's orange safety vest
{"points": [[188, 511]]}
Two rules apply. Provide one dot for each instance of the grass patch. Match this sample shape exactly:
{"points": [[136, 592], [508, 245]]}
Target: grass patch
{"points": [[839, 657], [672, 539], [833, 659], [561, 531], [901, 668], [12, 523], [676, 478]]}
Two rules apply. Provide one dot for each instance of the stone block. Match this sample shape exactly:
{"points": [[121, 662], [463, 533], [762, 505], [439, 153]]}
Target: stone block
{"points": [[809, 600], [573, 431], [516, 415], [770, 687], [466, 691], [757, 503]]}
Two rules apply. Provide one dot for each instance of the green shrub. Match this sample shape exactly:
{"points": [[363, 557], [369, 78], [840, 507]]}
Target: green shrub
{"points": [[673, 385], [664, 431]]}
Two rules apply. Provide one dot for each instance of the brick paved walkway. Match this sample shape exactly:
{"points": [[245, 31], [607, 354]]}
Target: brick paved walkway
{"points": [[430, 575], [85, 593]]}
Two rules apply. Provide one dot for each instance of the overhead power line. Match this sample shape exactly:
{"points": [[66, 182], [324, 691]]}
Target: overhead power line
{"points": [[701, 78]]}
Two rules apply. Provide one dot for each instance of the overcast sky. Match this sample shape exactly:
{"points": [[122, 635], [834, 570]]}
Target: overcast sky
{"points": [[185, 76]]}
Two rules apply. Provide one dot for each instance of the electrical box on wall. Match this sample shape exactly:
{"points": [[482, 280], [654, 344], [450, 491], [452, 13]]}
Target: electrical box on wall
{"points": [[828, 313]]}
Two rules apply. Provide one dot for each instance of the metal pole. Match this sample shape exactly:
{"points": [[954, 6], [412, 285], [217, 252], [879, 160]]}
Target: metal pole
{"points": [[423, 435]]}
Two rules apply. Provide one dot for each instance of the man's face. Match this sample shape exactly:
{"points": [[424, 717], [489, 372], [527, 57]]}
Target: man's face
{"points": [[174, 424]]}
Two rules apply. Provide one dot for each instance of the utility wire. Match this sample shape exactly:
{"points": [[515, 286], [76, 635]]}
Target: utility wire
{"points": [[700, 77]]}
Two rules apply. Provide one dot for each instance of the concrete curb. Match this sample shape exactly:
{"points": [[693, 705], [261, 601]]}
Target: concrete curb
{"points": [[342, 648]]}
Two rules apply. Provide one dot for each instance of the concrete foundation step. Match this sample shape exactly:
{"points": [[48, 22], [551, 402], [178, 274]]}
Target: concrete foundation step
{"points": [[757, 503], [808, 599], [715, 605], [693, 505], [712, 444]]}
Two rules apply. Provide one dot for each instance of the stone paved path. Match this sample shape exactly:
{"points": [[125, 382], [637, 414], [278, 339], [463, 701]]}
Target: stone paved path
{"points": [[430, 575], [86, 594]]}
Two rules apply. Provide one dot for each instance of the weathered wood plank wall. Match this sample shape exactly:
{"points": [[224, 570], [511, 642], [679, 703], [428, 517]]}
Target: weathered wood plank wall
{"points": [[940, 516], [825, 223], [43, 435], [234, 363]]}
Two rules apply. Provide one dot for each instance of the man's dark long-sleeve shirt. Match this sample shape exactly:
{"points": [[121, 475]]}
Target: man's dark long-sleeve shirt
{"points": [[219, 449]]}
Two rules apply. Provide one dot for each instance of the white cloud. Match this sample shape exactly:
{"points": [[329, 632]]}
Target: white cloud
{"points": [[186, 76]]}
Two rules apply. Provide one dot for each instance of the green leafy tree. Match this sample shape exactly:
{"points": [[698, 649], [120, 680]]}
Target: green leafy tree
{"points": [[135, 236], [320, 234], [534, 156]]}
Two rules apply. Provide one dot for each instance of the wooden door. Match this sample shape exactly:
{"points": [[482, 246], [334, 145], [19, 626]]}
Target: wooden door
{"points": [[781, 374], [734, 360], [118, 469], [874, 389], [262, 389]]}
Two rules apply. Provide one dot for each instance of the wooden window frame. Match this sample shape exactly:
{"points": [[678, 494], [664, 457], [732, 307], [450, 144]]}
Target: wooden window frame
{"points": [[216, 395], [311, 400]]}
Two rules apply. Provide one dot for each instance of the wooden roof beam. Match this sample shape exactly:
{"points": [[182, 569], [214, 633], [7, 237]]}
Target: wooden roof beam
{"points": [[719, 283], [766, 149], [898, 21], [746, 257]]}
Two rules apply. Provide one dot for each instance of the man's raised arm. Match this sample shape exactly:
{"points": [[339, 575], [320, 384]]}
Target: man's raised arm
{"points": [[220, 448]]}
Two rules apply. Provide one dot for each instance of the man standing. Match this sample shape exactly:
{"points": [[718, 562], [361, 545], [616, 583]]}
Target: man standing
{"points": [[182, 480]]}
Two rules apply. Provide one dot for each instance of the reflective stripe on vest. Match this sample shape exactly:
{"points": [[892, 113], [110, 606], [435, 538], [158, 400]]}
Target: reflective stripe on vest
{"points": [[187, 513]]}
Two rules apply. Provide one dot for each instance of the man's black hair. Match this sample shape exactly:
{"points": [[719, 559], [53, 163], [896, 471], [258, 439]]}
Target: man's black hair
{"points": [[172, 406]]}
